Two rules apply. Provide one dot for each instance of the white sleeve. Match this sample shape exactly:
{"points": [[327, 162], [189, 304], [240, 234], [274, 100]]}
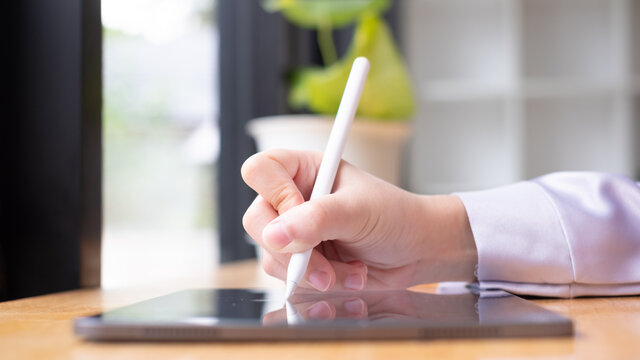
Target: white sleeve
{"points": [[565, 234]]}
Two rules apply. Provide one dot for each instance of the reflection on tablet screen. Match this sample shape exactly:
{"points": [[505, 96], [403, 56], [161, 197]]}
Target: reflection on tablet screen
{"points": [[269, 308]]}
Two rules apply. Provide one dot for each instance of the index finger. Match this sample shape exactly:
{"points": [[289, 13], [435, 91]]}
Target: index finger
{"points": [[284, 178]]}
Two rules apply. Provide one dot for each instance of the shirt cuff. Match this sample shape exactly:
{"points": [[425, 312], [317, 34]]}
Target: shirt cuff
{"points": [[519, 235]]}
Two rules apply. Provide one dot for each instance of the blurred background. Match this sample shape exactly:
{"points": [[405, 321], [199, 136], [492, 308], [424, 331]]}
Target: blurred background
{"points": [[505, 90], [488, 92]]}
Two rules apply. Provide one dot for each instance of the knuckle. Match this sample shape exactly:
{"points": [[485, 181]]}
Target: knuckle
{"points": [[281, 197]]}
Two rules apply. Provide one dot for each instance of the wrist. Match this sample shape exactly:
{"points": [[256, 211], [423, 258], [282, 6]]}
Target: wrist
{"points": [[450, 253]]}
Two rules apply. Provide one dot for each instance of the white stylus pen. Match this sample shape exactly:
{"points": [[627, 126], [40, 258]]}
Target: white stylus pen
{"points": [[331, 158]]}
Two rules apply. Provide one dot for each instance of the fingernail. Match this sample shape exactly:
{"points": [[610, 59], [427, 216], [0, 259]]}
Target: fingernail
{"points": [[320, 311], [320, 280], [354, 282], [275, 236], [354, 307]]}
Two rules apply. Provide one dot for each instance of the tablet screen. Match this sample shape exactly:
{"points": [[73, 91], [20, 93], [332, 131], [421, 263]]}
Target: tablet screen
{"points": [[264, 314]]}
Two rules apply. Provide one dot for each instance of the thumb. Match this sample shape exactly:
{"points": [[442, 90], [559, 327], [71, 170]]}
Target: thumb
{"points": [[273, 175], [331, 217]]}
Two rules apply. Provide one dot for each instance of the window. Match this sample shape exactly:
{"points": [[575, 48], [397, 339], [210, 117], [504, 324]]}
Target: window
{"points": [[160, 140]]}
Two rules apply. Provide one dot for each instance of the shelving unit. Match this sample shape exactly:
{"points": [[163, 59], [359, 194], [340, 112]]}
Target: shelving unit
{"points": [[514, 89], [449, 140]]}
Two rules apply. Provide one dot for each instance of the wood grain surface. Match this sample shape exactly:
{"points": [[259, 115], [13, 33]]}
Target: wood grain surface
{"points": [[41, 328]]}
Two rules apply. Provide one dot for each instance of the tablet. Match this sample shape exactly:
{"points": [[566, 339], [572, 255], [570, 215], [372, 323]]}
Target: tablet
{"points": [[254, 314]]}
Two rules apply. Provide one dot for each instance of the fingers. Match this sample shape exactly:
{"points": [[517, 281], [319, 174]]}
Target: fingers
{"points": [[329, 217], [273, 266], [258, 215], [322, 274], [281, 177], [350, 276], [282, 223]]}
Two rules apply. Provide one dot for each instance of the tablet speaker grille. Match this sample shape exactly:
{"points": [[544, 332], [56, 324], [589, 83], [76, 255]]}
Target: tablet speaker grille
{"points": [[180, 333]]}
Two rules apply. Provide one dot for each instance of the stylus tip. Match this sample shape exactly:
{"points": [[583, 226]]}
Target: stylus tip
{"points": [[291, 287]]}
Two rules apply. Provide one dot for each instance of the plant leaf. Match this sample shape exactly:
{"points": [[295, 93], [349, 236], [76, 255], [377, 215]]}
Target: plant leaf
{"points": [[387, 93], [325, 13]]}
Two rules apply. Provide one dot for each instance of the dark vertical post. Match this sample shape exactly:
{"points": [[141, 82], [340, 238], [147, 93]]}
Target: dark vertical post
{"points": [[51, 119], [91, 144], [253, 51]]}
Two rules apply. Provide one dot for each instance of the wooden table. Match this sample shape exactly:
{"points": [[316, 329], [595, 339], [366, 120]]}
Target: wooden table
{"points": [[41, 328]]}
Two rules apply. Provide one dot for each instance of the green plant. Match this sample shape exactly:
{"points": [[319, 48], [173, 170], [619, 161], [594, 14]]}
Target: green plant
{"points": [[387, 95]]}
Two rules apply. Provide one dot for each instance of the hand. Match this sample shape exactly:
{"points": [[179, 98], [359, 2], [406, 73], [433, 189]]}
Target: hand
{"points": [[367, 233]]}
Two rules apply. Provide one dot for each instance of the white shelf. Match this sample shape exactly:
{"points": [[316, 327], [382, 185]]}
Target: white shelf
{"points": [[568, 39], [553, 87], [460, 142], [459, 39], [634, 14], [461, 90], [511, 89], [571, 134]]}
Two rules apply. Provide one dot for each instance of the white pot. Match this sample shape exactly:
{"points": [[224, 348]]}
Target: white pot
{"points": [[375, 147]]}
